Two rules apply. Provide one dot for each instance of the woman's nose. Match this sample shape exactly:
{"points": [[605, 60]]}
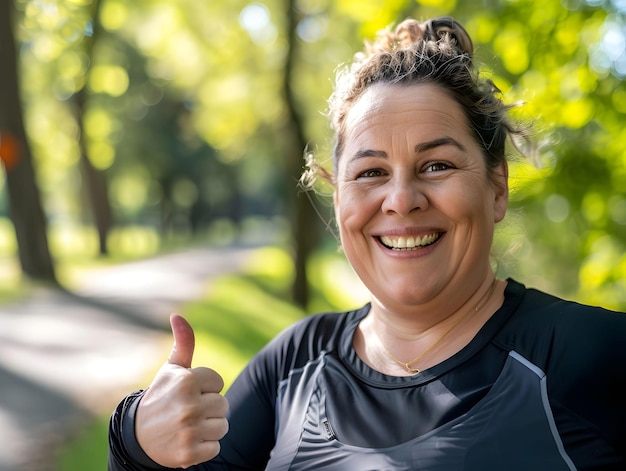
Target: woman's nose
{"points": [[403, 196]]}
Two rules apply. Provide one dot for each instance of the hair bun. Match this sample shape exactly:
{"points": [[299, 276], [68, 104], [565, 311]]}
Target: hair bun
{"points": [[435, 29]]}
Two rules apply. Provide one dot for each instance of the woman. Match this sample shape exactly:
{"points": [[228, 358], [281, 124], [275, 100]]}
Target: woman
{"points": [[448, 367]]}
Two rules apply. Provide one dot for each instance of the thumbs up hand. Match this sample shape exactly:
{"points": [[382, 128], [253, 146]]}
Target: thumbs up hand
{"points": [[181, 416]]}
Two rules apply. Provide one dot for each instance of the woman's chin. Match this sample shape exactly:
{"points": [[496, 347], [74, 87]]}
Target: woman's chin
{"points": [[404, 298]]}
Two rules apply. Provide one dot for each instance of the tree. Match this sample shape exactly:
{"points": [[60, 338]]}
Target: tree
{"points": [[304, 222], [95, 180], [24, 200]]}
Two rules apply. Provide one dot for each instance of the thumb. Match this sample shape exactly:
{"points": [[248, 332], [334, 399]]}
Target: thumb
{"points": [[184, 342]]}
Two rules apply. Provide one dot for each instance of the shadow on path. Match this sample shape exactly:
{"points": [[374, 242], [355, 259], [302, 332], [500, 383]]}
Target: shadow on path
{"points": [[33, 418]]}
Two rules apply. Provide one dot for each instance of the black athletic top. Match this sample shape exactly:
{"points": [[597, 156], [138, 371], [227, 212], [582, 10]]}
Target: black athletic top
{"points": [[542, 386]]}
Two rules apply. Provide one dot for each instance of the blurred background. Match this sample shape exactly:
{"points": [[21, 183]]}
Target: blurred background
{"points": [[151, 151]]}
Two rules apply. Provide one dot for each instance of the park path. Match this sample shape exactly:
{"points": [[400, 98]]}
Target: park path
{"points": [[67, 356]]}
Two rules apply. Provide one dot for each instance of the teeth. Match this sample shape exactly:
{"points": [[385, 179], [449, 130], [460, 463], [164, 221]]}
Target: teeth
{"points": [[407, 243]]}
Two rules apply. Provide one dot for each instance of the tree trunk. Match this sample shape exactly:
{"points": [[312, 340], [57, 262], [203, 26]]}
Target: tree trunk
{"points": [[94, 179], [305, 222], [98, 196], [24, 200]]}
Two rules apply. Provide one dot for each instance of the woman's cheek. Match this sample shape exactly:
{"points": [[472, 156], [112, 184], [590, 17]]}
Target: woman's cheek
{"points": [[352, 209]]}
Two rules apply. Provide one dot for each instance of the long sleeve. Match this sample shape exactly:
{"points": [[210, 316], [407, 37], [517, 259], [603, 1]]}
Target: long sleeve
{"points": [[252, 405]]}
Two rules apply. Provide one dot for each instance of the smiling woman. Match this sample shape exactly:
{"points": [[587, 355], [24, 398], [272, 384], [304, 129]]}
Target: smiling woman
{"points": [[411, 169], [447, 367]]}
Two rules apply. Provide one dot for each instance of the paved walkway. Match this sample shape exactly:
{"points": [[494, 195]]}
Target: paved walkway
{"points": [[66, 356]]}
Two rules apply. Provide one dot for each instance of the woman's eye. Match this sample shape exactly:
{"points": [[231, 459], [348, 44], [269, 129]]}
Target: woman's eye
{"points": [[437, 167], [370, 173]]}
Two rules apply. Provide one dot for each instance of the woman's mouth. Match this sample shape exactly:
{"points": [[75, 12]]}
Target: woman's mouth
{"points": [[409, 242]]}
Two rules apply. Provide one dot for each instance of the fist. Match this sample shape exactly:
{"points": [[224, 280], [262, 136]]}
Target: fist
{"points": [[181, 417]]}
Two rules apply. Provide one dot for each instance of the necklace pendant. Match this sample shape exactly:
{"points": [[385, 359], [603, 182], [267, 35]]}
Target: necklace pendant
{"points": [[413, 371]]}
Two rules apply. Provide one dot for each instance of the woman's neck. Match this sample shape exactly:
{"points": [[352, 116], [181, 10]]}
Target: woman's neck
{"points": [[399, 341]]}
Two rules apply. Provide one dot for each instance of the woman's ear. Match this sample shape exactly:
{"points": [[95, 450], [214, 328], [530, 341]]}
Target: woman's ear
{"points": [[500, 177]]}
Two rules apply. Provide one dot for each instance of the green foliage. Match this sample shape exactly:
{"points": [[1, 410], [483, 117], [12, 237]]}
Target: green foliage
{"points": [[569, 221], [582, 233], [185, 114]]}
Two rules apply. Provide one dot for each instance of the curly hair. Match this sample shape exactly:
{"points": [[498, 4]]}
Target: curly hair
{"points": [[439, 52]]}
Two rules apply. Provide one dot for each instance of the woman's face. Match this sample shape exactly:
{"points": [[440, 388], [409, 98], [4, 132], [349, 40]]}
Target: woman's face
{"points": [[415, 205]]}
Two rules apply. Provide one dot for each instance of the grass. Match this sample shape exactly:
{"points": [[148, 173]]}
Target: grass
{"points": [[89, 447], [236, 317]]}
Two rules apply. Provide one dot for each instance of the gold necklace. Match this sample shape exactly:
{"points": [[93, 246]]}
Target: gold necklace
{"points": [[407, 365]]}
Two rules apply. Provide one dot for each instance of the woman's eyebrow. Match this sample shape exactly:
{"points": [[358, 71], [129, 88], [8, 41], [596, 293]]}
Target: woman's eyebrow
{"points": [[422, 147], [442, 141], [381, 154]]}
